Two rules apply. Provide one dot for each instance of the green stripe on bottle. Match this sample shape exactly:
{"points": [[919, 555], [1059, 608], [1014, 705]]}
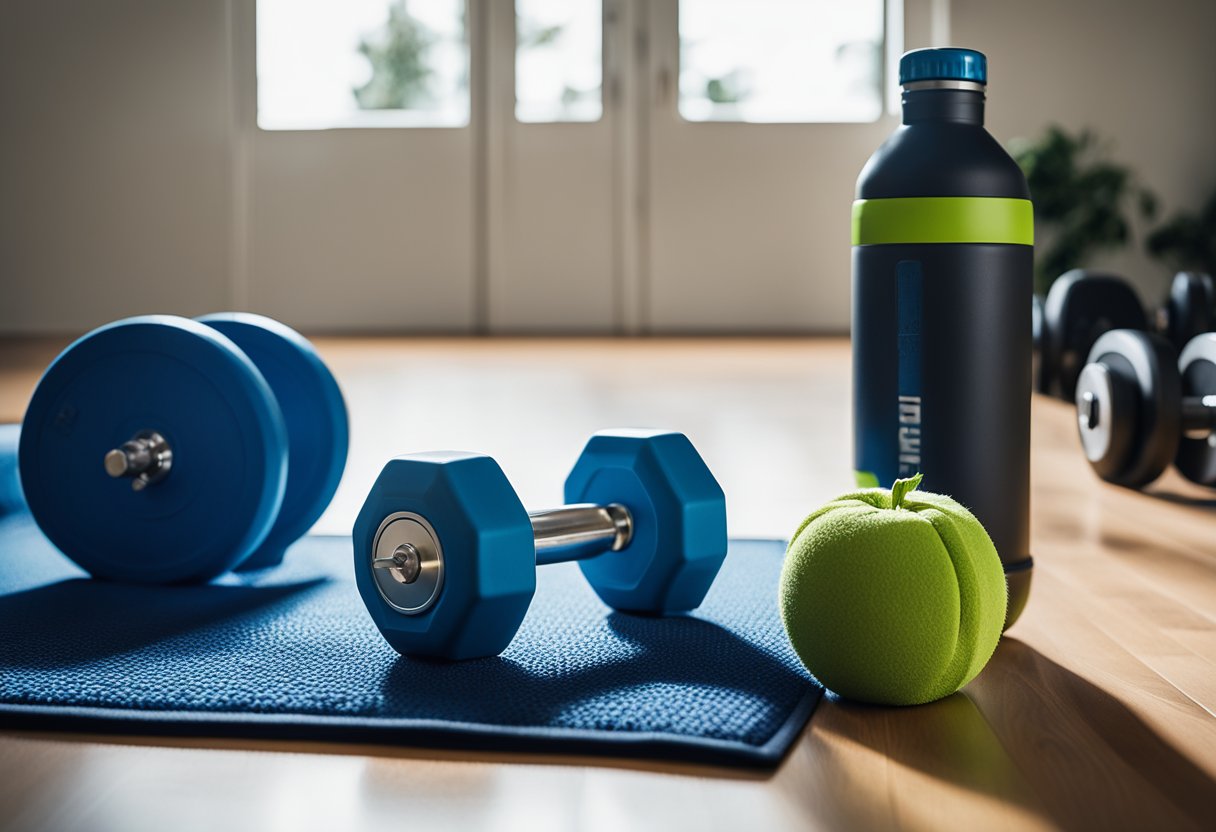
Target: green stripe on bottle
{"points": [[943, 219]]}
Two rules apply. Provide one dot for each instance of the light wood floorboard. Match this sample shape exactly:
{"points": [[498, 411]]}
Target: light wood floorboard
{"points": [[1097, 711]]}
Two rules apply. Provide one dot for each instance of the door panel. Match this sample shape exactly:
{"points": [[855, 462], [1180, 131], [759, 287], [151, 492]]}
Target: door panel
{"points": [[749, 223], [553, 259], [362, 228], [552, 266]]}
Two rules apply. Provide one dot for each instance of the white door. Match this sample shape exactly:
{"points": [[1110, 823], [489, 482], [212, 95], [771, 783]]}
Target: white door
{"points": [[468, 208], [554, 213], [761, 115], [356, 163], [562, 165]]}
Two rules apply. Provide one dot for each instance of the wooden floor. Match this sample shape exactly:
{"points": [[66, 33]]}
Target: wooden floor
{"points": [[1097, 712]]}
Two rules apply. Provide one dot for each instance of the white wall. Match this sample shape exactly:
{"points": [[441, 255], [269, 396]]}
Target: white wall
{"points": [[115, 164], [1141, 73], [120, 156]]}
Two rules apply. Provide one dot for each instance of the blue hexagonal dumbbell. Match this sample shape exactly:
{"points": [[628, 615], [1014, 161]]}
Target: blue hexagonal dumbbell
{"points": [[445, 554]]}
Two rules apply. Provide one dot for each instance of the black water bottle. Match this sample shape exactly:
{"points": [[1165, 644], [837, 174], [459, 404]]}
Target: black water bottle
{"points": [[943, 238]]}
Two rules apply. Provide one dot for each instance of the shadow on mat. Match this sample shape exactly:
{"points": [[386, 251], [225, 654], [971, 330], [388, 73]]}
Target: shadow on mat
{"points": [[79, 621], [1031, 732], [681, 651]]}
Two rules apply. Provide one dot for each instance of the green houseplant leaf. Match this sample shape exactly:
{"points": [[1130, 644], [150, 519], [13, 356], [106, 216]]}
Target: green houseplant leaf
{"points": [[1082, 200]]}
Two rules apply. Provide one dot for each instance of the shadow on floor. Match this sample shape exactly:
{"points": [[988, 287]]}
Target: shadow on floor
{"points": [[1034, 733], [1183, 499]]}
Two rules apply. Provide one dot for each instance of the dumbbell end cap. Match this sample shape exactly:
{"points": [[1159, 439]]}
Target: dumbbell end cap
{"points": [[679, 519], [483, 537]]}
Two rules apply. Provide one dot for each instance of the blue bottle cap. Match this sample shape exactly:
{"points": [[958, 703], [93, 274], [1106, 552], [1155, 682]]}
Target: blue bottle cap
{"points": [[945, 64]]}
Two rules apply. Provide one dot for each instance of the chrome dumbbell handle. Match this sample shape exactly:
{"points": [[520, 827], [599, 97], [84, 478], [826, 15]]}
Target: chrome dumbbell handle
{"points": [[1199, 413], [145, 458], [573, 532], [408, 562], [580, 531]]}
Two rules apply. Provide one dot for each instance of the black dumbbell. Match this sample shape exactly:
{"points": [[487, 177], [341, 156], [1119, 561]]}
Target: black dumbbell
{"points": [[1140, 406], [1082, 305], [1189, 308]]}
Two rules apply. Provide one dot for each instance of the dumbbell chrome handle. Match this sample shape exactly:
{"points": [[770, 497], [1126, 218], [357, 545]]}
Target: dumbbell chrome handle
{"points": [[146, 457], [580, 531], [1199, 413], [574, 532]]}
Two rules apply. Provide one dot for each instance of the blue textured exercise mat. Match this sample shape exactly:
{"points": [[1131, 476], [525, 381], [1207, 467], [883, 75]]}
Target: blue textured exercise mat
{"points": [[291, 653]]}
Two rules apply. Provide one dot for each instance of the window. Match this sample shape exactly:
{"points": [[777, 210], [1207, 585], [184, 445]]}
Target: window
{"points": [[781, 60], [558, 48], [362, 63]]}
